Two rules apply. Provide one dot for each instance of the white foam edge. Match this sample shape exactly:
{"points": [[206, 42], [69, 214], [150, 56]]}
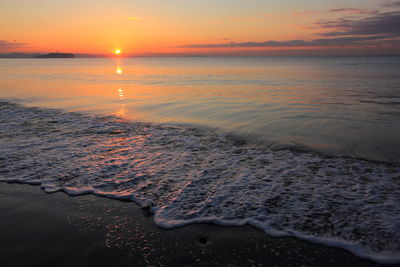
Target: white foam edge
{"points": [[161, 222]]}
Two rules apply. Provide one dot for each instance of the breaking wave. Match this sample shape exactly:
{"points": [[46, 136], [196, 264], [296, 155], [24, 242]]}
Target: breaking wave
{"points": [[189, 175]]}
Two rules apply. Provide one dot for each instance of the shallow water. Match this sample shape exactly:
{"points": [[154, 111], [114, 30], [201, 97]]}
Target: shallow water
{"points": [[342, 106], [188, 175]]}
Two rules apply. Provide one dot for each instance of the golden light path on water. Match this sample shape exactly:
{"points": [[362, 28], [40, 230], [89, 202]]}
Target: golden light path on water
{"points": [[316, 103], [121, 112]]}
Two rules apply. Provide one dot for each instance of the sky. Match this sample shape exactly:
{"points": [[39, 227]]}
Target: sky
{"points": [[207, 27]]}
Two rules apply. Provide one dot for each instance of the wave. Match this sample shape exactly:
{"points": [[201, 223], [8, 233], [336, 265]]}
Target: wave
{"points": [[190, 175]]}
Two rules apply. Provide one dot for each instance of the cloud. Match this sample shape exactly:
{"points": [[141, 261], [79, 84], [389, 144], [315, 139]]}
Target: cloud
{"points": [[387, 24], [9, 46], [352, 10], [380, 29], [358, 11], [338, 41], [132, 18], [392, 4]]}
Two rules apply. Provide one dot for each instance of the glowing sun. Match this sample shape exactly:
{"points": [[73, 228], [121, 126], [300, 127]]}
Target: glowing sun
{"points": [[117, 51]]}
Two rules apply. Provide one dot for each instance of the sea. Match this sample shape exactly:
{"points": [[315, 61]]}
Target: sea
{"points": [[307, 147]]}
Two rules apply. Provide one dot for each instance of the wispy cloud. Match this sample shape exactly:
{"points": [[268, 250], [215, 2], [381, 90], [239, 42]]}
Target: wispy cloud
{"points": [[132, 18], [6, 46], [353, 10], [376, 29], [359, 11], [339, 41], [391, 4], [387, 24]]}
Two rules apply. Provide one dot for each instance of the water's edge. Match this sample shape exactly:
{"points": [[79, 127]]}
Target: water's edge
{"points": [[188, 175]]}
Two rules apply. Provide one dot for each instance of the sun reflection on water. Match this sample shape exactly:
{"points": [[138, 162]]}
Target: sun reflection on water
{"points": [[122, 111], [121, 94], [122, 107]]}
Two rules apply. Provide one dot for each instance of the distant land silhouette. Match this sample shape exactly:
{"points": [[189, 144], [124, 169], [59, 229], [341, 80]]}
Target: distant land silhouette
{"points": [[88, 55], [36, 55], [56, 55], [19, 55]]}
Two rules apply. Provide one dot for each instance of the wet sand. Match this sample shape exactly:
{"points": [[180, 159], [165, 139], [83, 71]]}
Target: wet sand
{"points": [[40, 229]]}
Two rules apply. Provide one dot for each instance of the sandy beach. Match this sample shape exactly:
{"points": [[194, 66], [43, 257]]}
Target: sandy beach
{"points": [[39, 229]]}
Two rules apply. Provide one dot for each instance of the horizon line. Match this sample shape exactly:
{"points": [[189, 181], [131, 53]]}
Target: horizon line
{"points": [[95, 55]]}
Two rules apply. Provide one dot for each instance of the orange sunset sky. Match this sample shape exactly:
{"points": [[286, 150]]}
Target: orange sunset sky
{"points": [[159, 27]]}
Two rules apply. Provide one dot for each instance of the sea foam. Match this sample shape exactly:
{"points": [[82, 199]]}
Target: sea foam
{"points": [[188, 175]]}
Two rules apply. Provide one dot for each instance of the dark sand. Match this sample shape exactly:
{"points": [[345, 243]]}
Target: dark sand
{"points": [[39, 229]]}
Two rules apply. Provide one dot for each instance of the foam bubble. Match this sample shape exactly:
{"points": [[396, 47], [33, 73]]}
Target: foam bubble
{"points": [[186, 175]]}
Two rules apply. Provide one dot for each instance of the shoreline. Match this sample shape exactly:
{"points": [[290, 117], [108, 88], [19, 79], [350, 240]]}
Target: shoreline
{"points": [[183, 182], [59, 230]]}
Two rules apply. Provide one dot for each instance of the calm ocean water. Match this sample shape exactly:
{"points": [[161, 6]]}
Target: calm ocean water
{"points": [[345, 106], [297, 146]]}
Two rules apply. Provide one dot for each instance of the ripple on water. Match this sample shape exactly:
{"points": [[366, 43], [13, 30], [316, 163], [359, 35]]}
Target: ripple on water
{"points": [[187, 175]]}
